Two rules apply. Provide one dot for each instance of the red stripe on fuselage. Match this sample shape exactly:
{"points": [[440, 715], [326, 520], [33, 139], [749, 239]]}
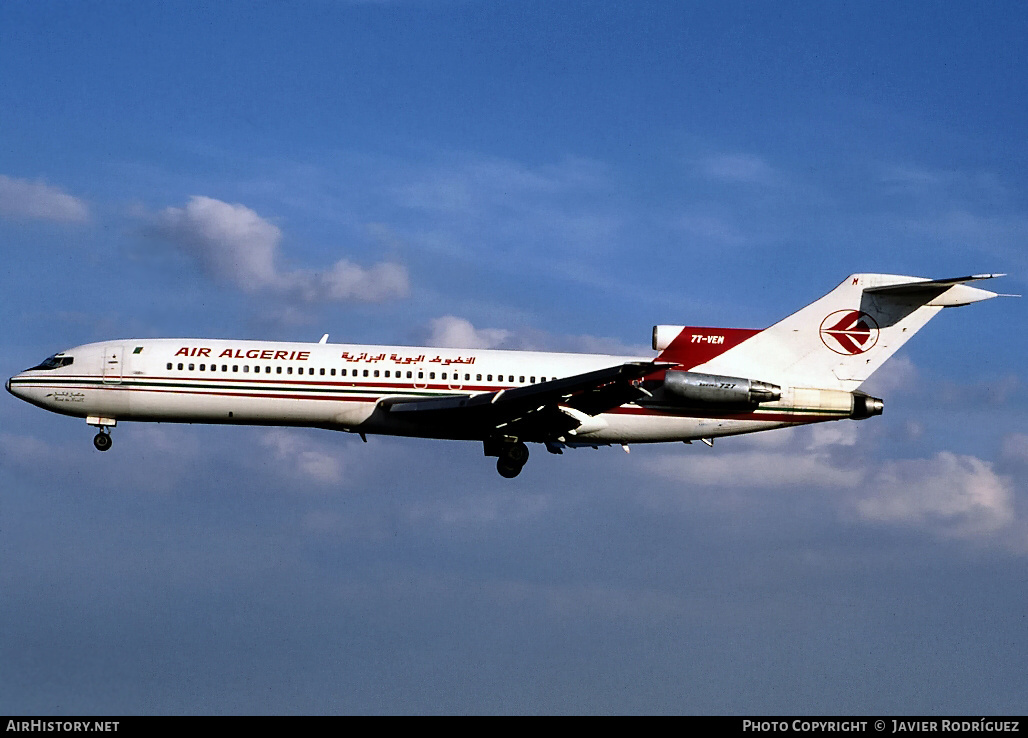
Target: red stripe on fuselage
{"points": [[340, 395]]}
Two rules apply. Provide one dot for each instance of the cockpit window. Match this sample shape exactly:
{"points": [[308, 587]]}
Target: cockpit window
{"points": [[54, 362]]}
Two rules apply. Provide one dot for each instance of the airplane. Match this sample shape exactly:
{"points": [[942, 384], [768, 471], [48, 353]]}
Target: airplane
{"points": [[703, 383]]}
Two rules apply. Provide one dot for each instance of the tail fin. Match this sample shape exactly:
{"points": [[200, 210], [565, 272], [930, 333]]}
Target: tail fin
{"points": [[840, 340]]}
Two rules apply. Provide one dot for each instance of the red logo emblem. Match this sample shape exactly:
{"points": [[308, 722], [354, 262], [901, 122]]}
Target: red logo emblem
{"points": [[849, 332]]}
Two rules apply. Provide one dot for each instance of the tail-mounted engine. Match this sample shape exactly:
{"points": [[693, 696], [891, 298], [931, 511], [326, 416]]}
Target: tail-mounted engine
{"points": [[715, 392], [712, 390]]}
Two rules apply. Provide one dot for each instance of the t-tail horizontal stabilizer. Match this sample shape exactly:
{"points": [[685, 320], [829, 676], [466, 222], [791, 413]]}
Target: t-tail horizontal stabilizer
{"points": [[941, 292]]}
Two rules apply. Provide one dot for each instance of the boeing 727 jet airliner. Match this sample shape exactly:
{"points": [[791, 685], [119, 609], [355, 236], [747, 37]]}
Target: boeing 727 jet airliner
{"points": [[703, 382]]}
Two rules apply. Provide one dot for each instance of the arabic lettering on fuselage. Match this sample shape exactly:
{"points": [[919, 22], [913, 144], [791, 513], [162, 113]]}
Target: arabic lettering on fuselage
{"points": [[347, 356], [397, 359]]}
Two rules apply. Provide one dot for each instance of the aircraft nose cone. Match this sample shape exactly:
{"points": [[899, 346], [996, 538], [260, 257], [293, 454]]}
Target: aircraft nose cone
{"points": [[7, 385]]}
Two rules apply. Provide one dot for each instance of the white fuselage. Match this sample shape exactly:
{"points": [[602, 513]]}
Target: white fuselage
{"points": [[339, 386]]}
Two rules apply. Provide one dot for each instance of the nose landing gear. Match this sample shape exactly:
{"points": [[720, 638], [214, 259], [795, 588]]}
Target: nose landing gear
{"points": [[102, 441]]}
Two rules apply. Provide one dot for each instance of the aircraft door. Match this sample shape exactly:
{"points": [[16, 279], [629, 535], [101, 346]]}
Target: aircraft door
{"points": [[112, 367]]}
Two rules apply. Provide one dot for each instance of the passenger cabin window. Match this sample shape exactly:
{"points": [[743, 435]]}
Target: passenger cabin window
{"points": [[521, 380], [289, 370], [203, 367], [169, 365], [235, 367], [278, 370], [333, 372], [409, 375]]}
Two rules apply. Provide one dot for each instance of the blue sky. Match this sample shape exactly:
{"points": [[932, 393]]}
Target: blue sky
{"points": [[524, 175]]}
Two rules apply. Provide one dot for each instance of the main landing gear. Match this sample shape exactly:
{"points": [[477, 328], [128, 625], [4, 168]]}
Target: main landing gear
{"points": [[512, 453]]}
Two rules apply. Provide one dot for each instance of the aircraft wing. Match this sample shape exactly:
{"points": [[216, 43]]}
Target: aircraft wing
{"points": [[537, 411]]}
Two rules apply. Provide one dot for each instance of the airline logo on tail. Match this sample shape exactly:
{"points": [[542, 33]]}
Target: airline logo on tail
{"points": [[849, 332]]}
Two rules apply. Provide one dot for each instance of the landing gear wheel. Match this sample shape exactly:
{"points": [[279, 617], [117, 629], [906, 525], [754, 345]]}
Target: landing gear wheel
{"points": [[507, 470], [102, 441], [515, 454], [512, 459]]}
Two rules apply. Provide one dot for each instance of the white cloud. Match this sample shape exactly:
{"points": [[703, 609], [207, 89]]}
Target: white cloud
{"points": [[953, 495], [748, 469], [948, 495], [306, 459], [898, 373], [453, 332], [832, 434], [22, 199], [229, 241], [234, 243], [348, 281]]}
